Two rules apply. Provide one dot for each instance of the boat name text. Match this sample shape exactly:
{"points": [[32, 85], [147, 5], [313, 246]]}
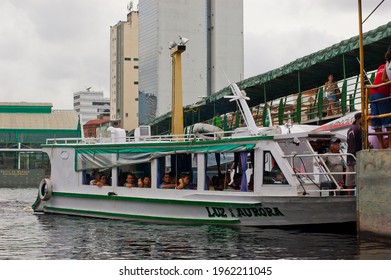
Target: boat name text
{"points": [[219, 212]]}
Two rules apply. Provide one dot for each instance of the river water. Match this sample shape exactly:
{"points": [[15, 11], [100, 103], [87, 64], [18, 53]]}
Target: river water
{"points": [[27, 236]]}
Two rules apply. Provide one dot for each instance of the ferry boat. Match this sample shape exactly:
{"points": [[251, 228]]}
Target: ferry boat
{"points": [[270, 176]]}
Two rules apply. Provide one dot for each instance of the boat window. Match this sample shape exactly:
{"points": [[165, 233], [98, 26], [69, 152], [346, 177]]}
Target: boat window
{"points": [[229, 171], [217, 165], [176, 168], [272, 173], [96, 177], [135, 175]]}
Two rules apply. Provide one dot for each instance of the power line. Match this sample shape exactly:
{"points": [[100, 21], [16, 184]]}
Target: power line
{"points": [[372, 12]]}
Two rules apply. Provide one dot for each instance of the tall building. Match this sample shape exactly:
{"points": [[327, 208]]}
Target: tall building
{"points": [[214, 51], [90, 104], [148, 110], [124, 71]]}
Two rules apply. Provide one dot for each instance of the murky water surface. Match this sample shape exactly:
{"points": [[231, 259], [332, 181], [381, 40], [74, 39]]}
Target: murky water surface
{"points": [[27, 236]]}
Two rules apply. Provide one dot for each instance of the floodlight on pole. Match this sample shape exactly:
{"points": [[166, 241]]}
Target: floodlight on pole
{"points": [[177, 119]]}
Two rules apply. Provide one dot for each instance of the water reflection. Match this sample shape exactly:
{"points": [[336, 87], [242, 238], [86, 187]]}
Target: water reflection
{"points": [[87, 238]]}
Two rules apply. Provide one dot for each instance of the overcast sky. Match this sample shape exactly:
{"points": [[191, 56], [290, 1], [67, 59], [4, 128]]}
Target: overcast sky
{"points": [[50, 49]]}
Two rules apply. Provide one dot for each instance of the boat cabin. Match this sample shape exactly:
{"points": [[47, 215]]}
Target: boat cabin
{"points": [[280, 164]]}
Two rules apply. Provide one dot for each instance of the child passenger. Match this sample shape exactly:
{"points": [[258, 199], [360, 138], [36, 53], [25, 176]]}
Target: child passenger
{"points": [[130, 181]]}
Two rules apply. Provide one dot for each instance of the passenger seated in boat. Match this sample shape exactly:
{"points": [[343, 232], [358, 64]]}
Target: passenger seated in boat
{"points": [[214, 183], [223, 181], [167, 182], [144, 182], [278, 177], [103, 181], [184, 182], [95, 174], [130, 181]]}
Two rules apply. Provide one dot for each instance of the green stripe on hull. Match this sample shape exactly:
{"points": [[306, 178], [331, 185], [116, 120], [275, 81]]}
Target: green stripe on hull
{"points": [[158, 200], [137, 217]]}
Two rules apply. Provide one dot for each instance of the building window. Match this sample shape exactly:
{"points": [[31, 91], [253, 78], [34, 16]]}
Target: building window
{"points": [[128, 59], [135, 59], [101, 103], [135, 67], [126, 115], [136, 82]]}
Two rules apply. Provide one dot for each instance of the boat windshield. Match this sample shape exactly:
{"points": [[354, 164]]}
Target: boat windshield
{"points": [[272, 171], [298, 156]]}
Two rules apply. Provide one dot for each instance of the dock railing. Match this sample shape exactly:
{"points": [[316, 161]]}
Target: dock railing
{"points": [[307, 107]]}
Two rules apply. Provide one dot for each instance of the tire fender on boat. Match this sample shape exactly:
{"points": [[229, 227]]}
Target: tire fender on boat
{"points": [[45, 189]]}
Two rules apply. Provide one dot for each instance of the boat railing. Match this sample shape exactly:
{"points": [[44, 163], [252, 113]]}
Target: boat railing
{"points": [[149, 139], [324, 170], [66, 141], [333, 192]]}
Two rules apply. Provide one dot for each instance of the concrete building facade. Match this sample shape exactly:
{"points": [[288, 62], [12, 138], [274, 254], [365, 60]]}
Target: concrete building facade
{"points": [[124, 72], [90, 105], [215, 48]]}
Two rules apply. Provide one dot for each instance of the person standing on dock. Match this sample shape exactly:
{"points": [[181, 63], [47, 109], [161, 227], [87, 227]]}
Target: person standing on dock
{"points": [[354, 140], [332, 92], [380, 105], [387, 74]]}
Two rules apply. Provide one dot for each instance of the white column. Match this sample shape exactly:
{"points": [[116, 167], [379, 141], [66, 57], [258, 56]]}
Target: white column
{"points": [[154, 172], [19, 146], [201, 172], [258, 169], [114, 176]]}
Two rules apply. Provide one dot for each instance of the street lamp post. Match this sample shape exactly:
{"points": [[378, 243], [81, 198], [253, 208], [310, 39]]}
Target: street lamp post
{"points": [[177, 121], [177, 102]]}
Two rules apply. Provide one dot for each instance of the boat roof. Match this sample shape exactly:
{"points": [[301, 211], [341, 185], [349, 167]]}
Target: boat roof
{"points": [[342, 123]]}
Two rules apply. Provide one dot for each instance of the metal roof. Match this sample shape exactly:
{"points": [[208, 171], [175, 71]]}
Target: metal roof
{"points": [[56, 120], [311, 70]]}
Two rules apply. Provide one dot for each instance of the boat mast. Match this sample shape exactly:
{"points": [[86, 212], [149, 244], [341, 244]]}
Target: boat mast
{"points": [[240, 98]]}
